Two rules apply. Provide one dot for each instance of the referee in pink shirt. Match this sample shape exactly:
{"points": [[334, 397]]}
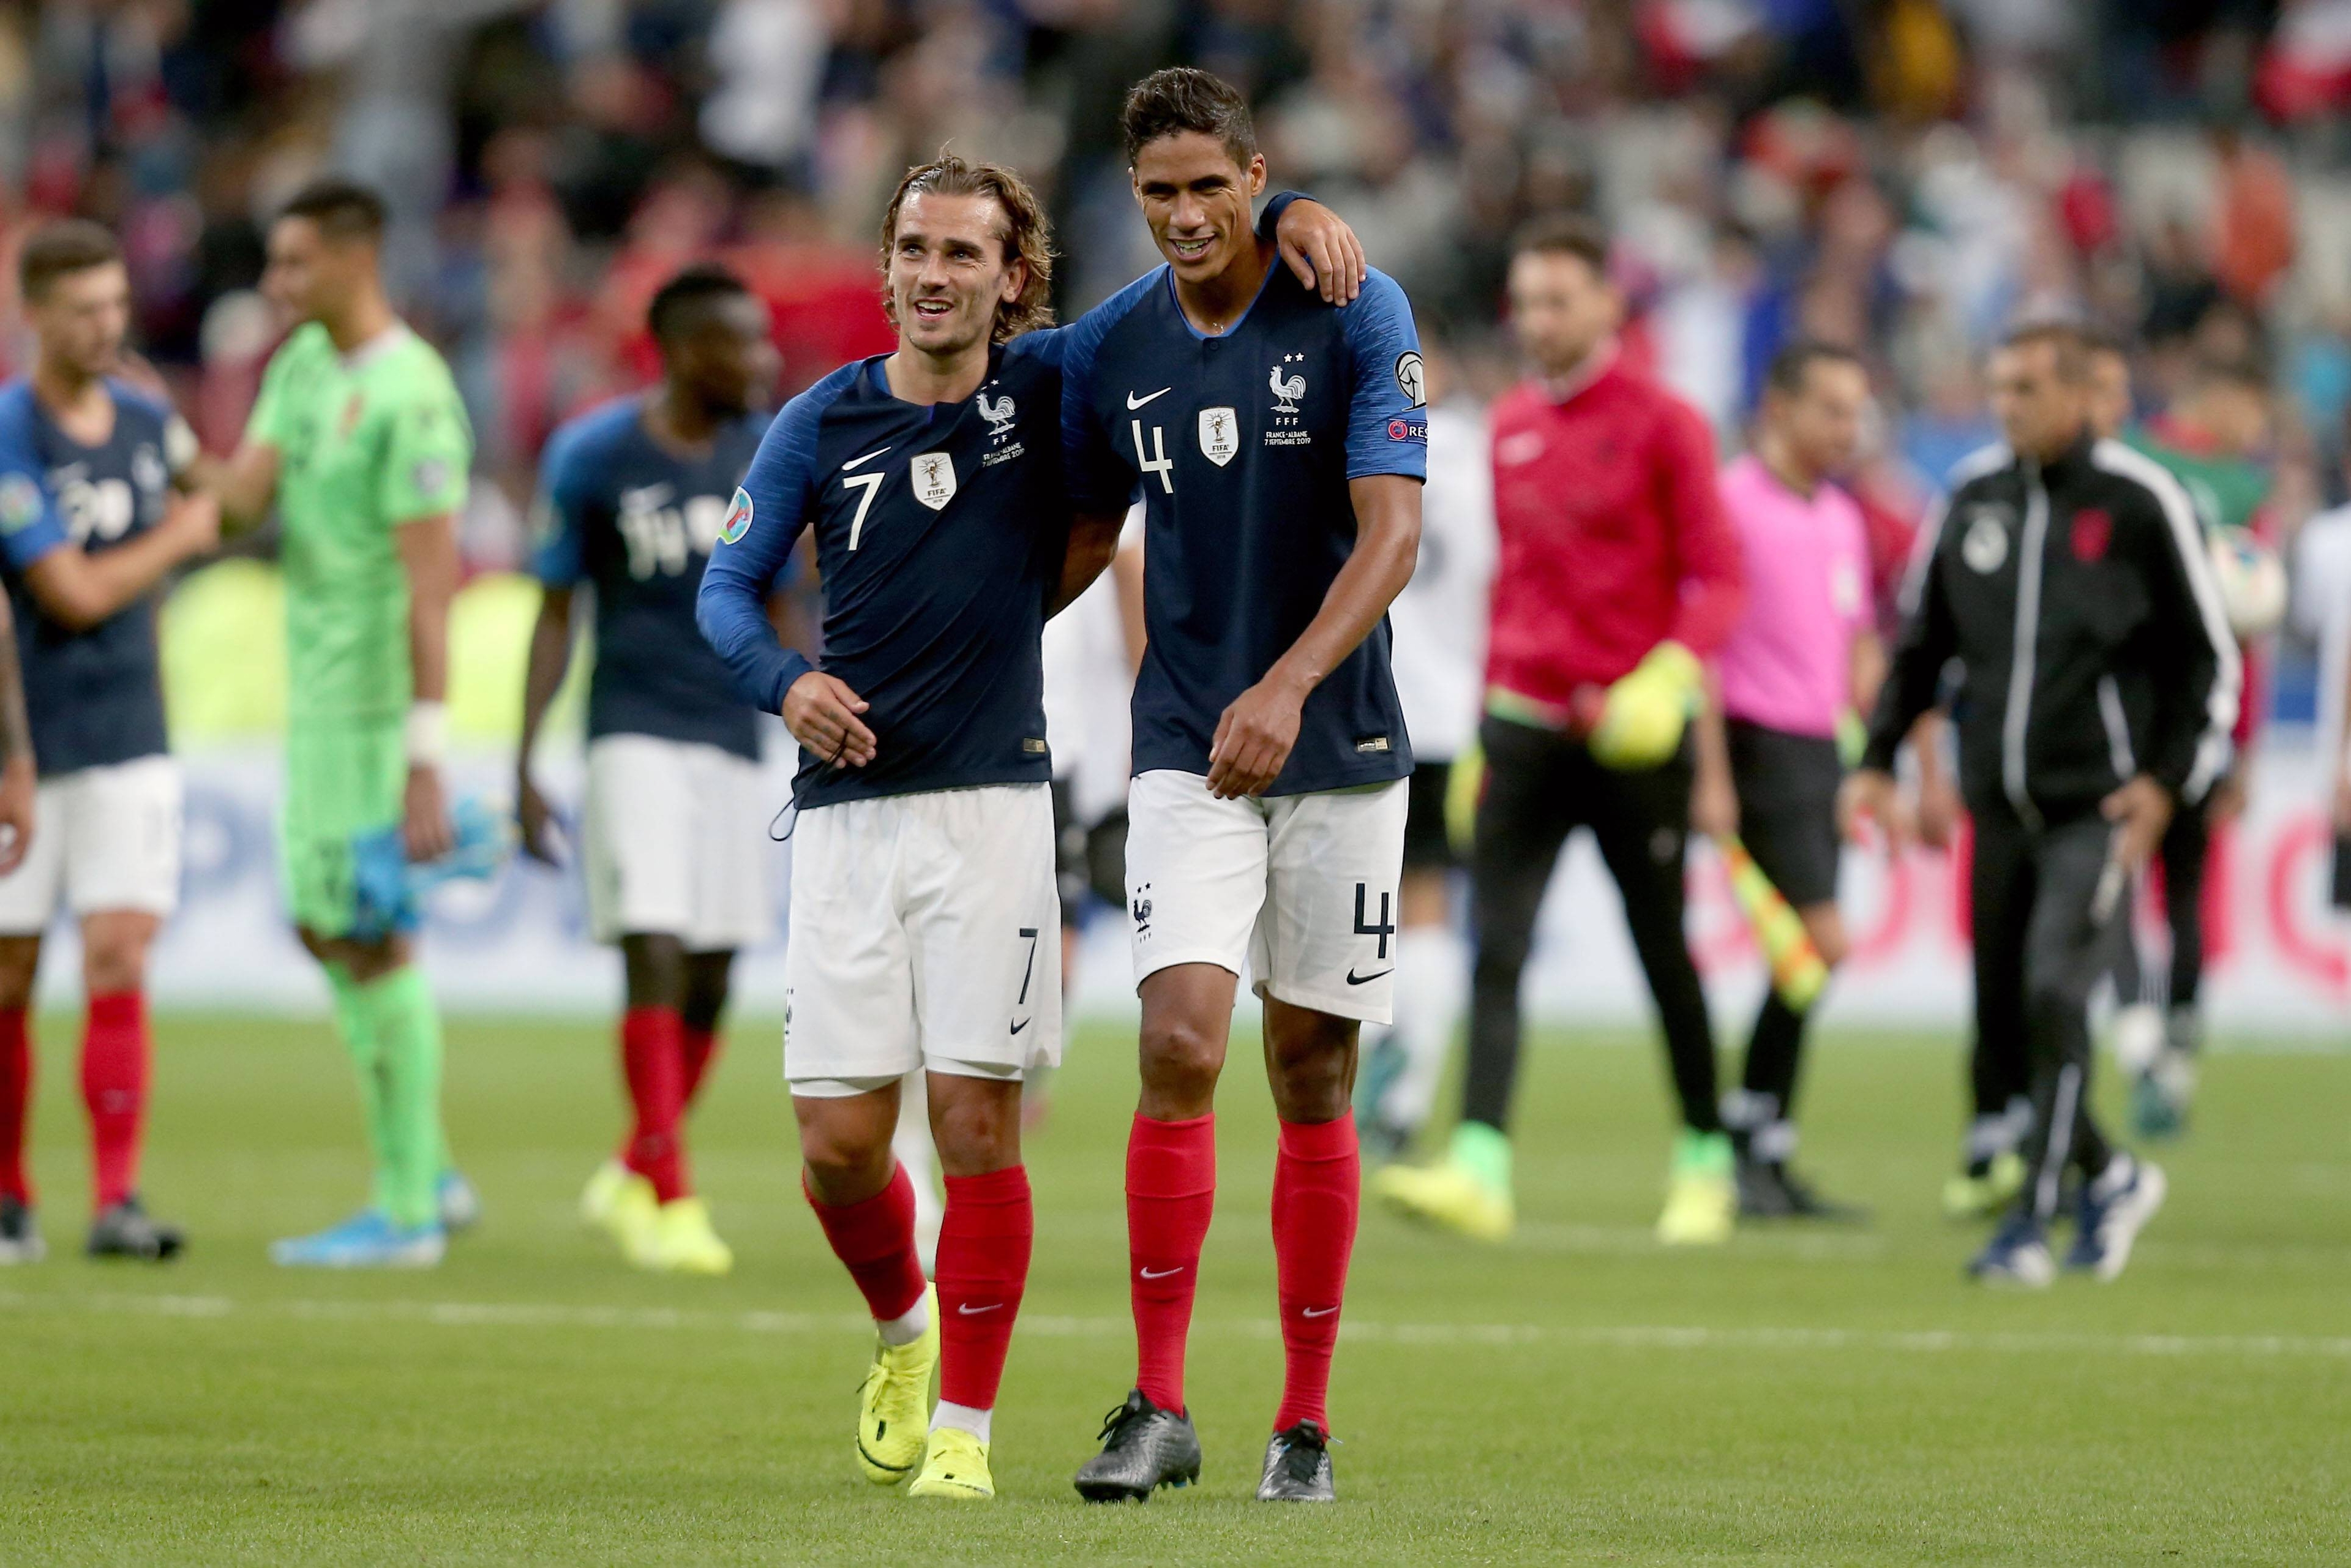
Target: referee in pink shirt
{"points": [[1802, 657]]}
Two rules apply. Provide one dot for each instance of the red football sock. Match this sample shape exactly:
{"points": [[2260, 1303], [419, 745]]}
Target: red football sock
{"points": [[1318, 1179], [984, 1245], [16, 1102], [701, 1049], [875, 1238], [114, 1087], [653, 1059], [1171, 1193]]}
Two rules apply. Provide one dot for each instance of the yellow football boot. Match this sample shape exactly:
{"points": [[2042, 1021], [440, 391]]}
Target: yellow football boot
{"points": [[1702, 1198], [893, 1407], [1469, 1191], [678, 1239], [956, 1466], [1969, 1196]]}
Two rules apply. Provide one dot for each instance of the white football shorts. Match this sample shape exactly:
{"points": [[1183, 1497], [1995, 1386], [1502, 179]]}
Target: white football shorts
{"points": [[104, 838], [926, 932], [676, 843], [1302, 887]]}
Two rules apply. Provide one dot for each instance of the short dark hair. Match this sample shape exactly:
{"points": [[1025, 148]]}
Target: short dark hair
{"points": [[1796, 359], [677, 303], [1183, 98], [1565, 233], [2068, 339], [343, 209], [59, 250], [2097, 339]]}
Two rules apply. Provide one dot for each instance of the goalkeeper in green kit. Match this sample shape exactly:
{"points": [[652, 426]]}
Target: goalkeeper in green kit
{"points": [[359, 438]]}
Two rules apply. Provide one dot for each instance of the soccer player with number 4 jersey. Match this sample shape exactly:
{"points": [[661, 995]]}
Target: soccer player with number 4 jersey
{"points": [[632, 498], [359, 438], [1280, 443], [89, 526], [925, 925]]}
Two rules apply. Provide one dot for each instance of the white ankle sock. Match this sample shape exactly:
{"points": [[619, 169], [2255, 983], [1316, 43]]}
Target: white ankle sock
{"points": [[907, 1326], [963, 1418]]}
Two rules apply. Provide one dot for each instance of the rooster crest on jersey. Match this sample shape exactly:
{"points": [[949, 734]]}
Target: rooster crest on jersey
{"points": [[997, 413], [1285, 392]]}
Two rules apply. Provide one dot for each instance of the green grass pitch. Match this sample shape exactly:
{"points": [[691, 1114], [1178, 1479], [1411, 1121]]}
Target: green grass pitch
{"points": [[1578, 1395]]}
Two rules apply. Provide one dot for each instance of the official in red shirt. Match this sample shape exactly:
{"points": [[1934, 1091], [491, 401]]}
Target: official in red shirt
{"points": [[1617, 577]]}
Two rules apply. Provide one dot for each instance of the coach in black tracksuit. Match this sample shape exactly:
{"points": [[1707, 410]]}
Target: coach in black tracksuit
{"points": [[2066, 578]]}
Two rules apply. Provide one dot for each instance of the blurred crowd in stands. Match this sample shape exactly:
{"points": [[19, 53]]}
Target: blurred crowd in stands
{"points": [[1901, 174]]}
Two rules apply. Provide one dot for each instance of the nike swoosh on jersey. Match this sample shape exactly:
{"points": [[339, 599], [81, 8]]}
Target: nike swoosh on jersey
{"points": [[867, 458], [1133, 401], [1355, 980], [1024, 1023]]}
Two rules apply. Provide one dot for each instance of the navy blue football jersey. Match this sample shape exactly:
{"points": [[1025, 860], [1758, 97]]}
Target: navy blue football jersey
{"points": [[95, 697], [622, 513], [940, 531], [1241, 446]]}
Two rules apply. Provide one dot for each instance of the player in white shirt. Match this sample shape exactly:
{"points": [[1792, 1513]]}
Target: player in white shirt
{"points": [[1438, 622]]}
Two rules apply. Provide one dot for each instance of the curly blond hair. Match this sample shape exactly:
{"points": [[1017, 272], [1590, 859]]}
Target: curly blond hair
{"points": [[1026, 236]]}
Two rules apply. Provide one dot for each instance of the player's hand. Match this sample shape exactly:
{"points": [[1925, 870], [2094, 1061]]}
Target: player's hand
{"points": [[195, 519], [822, 713], [1321, 250], [1714, 804], [425, 831], [535, 821], [1939, 812], [2227, 801], [1871, 795], [18, 787], [1253, 739], [2343, 803], [2140, 811]]}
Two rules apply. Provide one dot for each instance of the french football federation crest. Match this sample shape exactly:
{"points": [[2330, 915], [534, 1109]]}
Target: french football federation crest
{"points": [[1219, 434], [998, 413], [739, 520], [934, 479], [1287, 392]]}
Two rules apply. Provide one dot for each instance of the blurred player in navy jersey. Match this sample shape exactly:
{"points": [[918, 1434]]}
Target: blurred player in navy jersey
{"points": [[924, 920], [1440, 668], [1279, 444], [90, 526], [632, 495]]}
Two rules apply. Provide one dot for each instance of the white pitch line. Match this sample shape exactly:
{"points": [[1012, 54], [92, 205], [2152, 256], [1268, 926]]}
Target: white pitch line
{"points": [[1633, 1337]]}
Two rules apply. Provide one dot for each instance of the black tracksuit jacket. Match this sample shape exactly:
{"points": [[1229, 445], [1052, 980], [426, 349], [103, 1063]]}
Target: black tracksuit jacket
{"points": [[2078, 602]]}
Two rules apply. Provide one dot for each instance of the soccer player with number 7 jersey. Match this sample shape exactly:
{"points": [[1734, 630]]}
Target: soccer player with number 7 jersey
{"points": [[1279, 444], [925, 922]]}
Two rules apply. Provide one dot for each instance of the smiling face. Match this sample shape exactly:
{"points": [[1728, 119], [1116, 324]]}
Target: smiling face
{"points": [[950, 272], [1197, 198], [80, 319]]}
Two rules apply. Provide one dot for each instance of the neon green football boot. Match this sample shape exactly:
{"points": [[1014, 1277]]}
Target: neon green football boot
{"points": [[1468, 1191], [893, 1407], [955, 1466], [1702, 1196]]}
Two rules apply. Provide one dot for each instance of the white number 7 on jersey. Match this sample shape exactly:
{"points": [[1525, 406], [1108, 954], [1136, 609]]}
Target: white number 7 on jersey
{"points": [[870, 484], [1157, 461]]}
